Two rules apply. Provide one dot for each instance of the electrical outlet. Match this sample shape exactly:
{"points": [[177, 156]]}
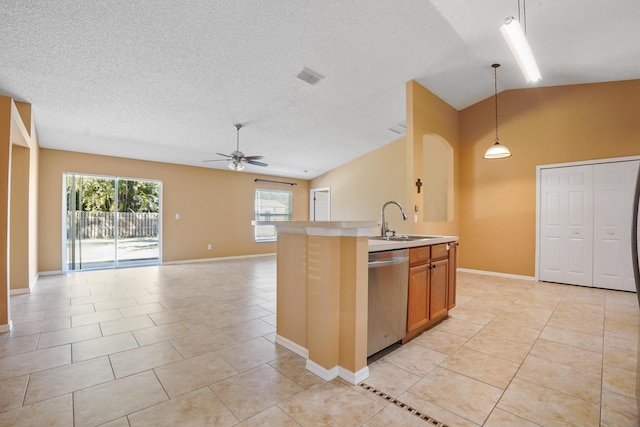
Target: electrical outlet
{"points": [[209, 246], [177, 216]]}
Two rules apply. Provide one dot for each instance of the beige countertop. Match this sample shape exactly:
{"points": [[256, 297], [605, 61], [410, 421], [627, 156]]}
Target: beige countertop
{"points": [[387, 245], [352, 228]]}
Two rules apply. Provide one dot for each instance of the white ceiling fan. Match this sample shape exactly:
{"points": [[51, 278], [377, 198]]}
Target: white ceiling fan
{"points": [[237, 159]]}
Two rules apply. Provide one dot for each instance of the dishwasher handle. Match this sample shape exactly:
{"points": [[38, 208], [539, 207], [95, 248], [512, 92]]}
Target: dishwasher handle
{"points": [[390, 261]]}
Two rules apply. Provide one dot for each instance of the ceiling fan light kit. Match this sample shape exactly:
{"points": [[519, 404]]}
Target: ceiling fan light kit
{"points": [[236, 166], [237, 159]]}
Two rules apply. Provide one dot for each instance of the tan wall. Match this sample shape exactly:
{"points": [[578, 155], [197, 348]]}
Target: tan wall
{"points": [[34, 156], [359, 188], [5, 162], [19, 218], [215, 206], [539, 126], [429, 115]]}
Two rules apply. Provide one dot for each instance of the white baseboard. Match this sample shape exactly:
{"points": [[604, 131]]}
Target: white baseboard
{"points": [[290, 345], [324, 373], [34, 281], [354, 377], [192, 261], [50, 273], [19, 291], [6, 328], [495, 273]]}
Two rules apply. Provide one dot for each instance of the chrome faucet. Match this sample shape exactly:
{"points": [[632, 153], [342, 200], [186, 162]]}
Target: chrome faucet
{"points": [[384, 227]]}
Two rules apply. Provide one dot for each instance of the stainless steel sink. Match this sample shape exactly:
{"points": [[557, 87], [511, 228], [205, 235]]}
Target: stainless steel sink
{"points": [[403, 238]]}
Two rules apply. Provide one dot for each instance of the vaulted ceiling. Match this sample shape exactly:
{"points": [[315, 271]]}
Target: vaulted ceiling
{"points": [[167, 80]]}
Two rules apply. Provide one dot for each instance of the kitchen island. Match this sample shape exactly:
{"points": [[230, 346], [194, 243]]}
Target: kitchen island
{"points": [[322, 292]]}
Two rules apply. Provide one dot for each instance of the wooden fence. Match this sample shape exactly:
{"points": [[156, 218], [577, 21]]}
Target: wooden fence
{"points": [[101, 225]]}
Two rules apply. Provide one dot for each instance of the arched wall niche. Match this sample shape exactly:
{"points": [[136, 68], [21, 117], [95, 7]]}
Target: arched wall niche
{"points": [[437, 170]]}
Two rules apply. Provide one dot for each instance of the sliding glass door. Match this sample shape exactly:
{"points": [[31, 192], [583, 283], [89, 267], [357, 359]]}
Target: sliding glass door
{"points": [[110, 222]]}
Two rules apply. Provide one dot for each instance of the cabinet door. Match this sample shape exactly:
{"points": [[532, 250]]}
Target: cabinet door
{"points": [[438, 272], [453, 265], [417, 307]]}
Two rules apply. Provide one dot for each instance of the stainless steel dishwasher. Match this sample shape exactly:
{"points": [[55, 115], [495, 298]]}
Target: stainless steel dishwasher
{"points": [[388, 288]]}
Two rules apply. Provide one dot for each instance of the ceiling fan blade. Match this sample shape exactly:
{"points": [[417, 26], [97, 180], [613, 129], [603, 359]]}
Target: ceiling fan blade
{"points": [[225, 155], [253, 162], [215, 160], [253, 157]]}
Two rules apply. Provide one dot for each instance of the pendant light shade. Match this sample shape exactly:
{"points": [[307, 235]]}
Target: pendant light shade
{"points": [[497, 150]]}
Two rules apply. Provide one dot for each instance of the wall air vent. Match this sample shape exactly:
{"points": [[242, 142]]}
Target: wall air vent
{"points": [[400, 128], [310, 76]]}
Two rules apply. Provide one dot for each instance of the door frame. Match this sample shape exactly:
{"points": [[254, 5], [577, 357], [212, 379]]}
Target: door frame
{"points": [[312, 199], [116, 179], [539, 169]]}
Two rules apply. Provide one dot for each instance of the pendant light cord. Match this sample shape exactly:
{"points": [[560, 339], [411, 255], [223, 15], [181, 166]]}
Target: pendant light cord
{"points": [[495, 87]]}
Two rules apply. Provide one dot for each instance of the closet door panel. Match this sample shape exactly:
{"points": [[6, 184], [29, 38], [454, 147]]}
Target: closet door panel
{"points": [[551, 227], [566, 229], [613, 194]]}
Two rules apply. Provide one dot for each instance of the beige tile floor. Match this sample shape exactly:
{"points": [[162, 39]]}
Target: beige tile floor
{"points": [[193, 345]]}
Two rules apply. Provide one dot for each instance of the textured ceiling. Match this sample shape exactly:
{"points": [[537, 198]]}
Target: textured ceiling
{"points": [[167, 80]]}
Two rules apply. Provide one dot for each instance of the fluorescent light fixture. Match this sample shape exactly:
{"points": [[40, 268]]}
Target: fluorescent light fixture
{"points": [[513, 34]]}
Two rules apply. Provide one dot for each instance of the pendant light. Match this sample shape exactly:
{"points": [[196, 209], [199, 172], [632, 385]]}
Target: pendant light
{"points": [[497, 150]]}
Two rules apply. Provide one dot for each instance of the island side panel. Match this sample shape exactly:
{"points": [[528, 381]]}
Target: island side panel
{"points": [[354, 301], [291, 263], [323, 300]]}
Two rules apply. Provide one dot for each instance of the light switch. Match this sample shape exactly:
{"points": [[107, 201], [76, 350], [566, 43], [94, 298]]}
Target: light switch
{"points": [[177, 216]]}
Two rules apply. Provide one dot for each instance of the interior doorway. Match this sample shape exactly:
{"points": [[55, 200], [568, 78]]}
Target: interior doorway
{"points": [[320, 204], [110, 222]]}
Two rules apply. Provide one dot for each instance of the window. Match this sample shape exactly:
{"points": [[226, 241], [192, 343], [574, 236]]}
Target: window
{"points": [[271, 205]]}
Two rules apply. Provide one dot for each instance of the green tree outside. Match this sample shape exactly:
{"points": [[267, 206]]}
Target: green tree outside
{"points": [[98, 195]]}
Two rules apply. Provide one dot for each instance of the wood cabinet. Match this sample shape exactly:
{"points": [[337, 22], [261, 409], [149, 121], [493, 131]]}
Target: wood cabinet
{"points": [[430, 295], [453, 266], [438, 279], [417, 307]]}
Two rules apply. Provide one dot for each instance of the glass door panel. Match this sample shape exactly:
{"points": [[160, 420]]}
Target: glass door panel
{"points": [[90, 228], [138, 222]]}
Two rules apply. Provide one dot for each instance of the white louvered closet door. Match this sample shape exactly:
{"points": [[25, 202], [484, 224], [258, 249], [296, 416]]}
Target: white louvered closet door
{"points": [[566, 225], [614, 184]]}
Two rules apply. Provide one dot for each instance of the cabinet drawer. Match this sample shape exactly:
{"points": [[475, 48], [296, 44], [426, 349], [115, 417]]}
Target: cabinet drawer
{"points": [[439, 251], [419, 254]]}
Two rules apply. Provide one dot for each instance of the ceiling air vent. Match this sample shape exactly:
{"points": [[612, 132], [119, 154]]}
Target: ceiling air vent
{"points": [[400, 128], [310, 76]]}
